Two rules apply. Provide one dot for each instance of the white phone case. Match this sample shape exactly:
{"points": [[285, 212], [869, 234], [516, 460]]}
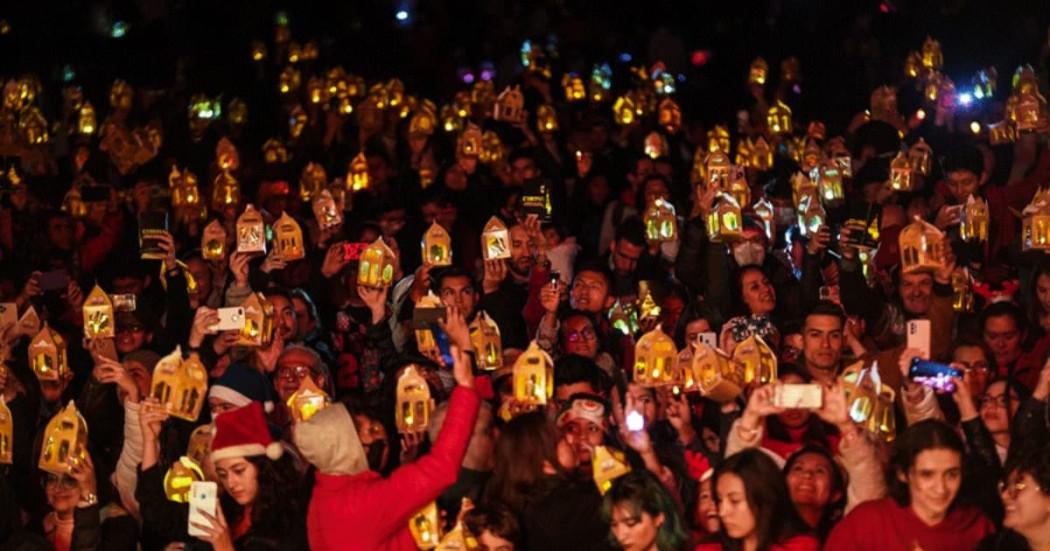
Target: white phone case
{"points": [[203, 498], [919, 336], [230, 319], [709, 338]]}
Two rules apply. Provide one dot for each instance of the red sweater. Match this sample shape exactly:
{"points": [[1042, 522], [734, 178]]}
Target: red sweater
{"points": [[368, 512], [797, 543], [883, 525]]}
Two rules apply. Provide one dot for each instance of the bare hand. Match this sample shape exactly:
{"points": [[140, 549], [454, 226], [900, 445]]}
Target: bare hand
{"points": [[152, 415], [495, 273], [759, 406], [819, 241], [273, 262], [420, 283], [947, 216], [550, 297], [410, 443], [204, 322], [74, 296], [239, 268], [944, 275], [462, 367], [455, 326], [83, 471], [835, 410], [216, 531], [166, 243], [267, 357], [375, 299]]}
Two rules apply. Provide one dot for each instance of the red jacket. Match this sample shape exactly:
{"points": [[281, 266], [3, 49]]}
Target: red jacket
{"points": [[797, 543], [370, 513], [884, 525]]}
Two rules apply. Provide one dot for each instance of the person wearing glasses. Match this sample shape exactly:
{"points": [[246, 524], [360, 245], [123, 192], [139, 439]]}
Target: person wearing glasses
{"points": [[1026, 498], [77, 519]]}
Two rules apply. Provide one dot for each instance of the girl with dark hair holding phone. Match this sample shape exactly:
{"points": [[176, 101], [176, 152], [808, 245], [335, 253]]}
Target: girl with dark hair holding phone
{"points": [[642, 515]]}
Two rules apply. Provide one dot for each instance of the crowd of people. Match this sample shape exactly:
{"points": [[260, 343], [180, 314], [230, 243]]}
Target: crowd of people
{"points": [[568, 315]]}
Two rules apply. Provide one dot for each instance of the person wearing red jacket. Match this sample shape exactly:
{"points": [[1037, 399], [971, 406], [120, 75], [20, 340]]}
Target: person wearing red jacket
{"points": [[353, 507]]}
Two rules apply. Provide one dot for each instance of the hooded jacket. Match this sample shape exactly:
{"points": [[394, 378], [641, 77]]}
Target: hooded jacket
{"points": [[885, 525], [354, 508]]}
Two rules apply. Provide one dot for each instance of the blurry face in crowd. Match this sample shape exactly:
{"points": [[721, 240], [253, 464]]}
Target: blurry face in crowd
{"points": [[284, 312], [456, 178], [346, 377], [644, 401], [598, 191], [239, 478], [822, 343], [996, 410], [1027, 505], [642, 169], [975, 361], [933, 482], [378, 170], [445, 215], [140, 375], [590, 292], [521, 260], [758, 293], [61, 234], [633, 528], [131, 337], [707, 509], [1042, 292], [304, 323], [129, 285], [51, 391], [458, 291], [63, 493], [1003, 337], [523, 169], [292, 367], [670, 312], [794, 418], [750, 248], [563, 392], [625, 256], [916, 292], [810, 481], [733, 509], [962, 184], [392, 221], [580, 337], [694, 328], [583, 436], [655, 189], [219, 406], [373, 438], [202, 275]]}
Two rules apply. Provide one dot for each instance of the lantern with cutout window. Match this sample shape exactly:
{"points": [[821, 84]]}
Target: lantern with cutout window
{"points": [[655, 359], [326, 211], [425, 527], [307, 400], [1035, 222], [213, 241], [414, 404], [312, 180], [758, 360], [510, 105], [64, 445], [811, 215], [725, 222], [47, 355], [180, 477], [357, 177], [288, 239], [719, 169], [533, 376], [829, 185], [922, 247], [738, 186], [718, 139], [437, 246], [778, 119], [661, 224], [766, 214], [901, 173], [180, 385], [607, 465], [225, 191], [251, 232], [258, 322], [488, 347], [98, 315], [7, 434], [495, 240], [719, 377], [760, 154], [973, 226], [758, 72]]}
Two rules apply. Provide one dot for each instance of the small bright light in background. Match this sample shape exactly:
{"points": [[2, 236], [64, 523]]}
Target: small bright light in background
{"points": [[401, 15], [488, 71], [965, 98], [468, 78], [796, 88], [626, 57], [699, 58], [978, 92], [119, 29], [920, 114], [68, 74], [975, 127], [635, 421]]}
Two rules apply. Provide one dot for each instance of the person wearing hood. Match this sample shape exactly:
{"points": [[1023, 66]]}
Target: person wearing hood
{"points": [[349, 494]]}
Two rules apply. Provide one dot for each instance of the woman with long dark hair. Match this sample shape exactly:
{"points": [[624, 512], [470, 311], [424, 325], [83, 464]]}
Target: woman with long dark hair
{"points": [[1026, 497], [754, 507], [817, 487], [754, 300], [642, 515]]}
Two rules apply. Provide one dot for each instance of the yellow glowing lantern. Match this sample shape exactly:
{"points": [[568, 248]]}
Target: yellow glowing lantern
{"points": [[47, 355], [661, 224], [624, 111], [491, 148], [33, 126], [811, 215], [623, 317], [743, 152], [422, 122], [759, 71], [295, 51], [962, 290], [357, 177], [829, 185], [655, 146], [312, 181], [258, 321], [921, 157], [289, 80], [724, 223], [425, 528], [883, 103], [251, 232], [655, 359], [258, 50], [225, 191], [719, 169], [177, 481], [901, 173], [274, 152], [669, 115], [1002, 132], [199, 446], [844, 163], [86, 124], [180, 385], [485, 336], [758, 360], [913, 64], [932, 87], [7, 433], [1030, 108], [738, 185], [883, 421], [811, 155], [764, 211], [573, 86], [297, 120], [719, 377], [183, 186], [546, 119], [608, 464], [760, 154], [533, 376], [98, 315], [647, 307], [376, 266], [495, 240], [450, 119], [718, 139], [975, 220], [326, 211], [1035, 225], [213, 241], [510, 105], [801, 186], [237, 112], [306, 401], [121, 95], [226, 155], [922, 247], [414, 404], [288, 238], [437, 246], [64, 442], [470, 142], [932, 58], [778, 119]]}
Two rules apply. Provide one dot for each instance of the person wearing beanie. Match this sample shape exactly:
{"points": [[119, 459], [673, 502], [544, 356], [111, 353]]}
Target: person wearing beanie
{"points": [[239, 386], [348, 495], [261, 493]]}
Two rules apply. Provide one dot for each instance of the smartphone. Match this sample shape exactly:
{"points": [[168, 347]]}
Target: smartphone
{"points": [[8, 314], [124, 302], [230, 319], [829, 293], [106, 348], [798, 396], [443, 344], [353, 251], [935, 375], [555, 279], [203, 499], [919, 336], [710, 338], [151, 226], [54, 280]]}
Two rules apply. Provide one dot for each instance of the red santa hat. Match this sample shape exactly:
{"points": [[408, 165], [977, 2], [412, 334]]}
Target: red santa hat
{"points": [[242, 432]]}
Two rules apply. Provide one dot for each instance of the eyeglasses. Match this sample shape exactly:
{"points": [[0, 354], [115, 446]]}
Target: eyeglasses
{"points": [[293, 373], [576, 336], [998, 401], [64, 482], [1012, 489]]}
